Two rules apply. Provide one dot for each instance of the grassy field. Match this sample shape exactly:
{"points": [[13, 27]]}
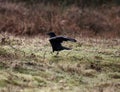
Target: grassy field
{"points": [[26, 65], [26, 61]]}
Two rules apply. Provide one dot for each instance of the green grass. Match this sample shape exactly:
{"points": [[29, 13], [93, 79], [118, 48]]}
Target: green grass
{"points": [[93, 65]]}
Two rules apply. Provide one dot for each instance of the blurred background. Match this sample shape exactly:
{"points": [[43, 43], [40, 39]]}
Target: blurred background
{"points": [[85, 18]]}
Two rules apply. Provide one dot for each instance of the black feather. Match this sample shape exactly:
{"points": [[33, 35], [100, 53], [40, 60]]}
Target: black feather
{"points": [[57, 40]]}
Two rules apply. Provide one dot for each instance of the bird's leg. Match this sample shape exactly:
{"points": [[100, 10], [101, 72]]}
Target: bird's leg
{"points": [[51, 52], [57, 53]]}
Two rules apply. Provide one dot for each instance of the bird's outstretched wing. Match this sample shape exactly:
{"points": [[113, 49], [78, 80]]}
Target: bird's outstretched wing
{"points": [[62, 38]]}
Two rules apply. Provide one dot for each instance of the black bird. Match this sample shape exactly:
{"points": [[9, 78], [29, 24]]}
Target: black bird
{"points": [[56, 41]]}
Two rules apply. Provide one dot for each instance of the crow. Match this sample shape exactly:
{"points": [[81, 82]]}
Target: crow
{"points": [[56, 42]]}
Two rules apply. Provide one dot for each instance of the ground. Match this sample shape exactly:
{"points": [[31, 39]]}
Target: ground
{"points": [[27, 65]]}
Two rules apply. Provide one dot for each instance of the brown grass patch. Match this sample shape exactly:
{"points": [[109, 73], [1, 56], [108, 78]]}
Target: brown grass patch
{"points": [[20, 19]]}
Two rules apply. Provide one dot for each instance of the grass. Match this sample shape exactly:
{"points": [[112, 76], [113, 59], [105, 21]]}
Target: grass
{"points": [[28, 66]]}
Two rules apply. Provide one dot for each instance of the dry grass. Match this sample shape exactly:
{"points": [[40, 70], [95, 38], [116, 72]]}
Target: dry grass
{"points": [[92, 66], [22, 19]]}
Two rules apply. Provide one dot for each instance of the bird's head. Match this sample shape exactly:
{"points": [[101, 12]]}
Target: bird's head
{"points": [[51, 34]]}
